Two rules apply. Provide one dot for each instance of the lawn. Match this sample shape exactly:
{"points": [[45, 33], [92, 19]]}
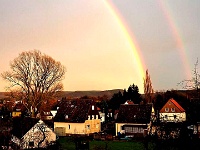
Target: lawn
{"points": [[69, 144]]}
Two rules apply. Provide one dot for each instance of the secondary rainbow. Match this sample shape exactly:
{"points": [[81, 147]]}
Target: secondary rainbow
{"points": [[174, 29], [129, 37]]}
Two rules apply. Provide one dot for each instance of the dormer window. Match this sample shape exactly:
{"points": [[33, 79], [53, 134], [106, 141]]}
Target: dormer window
{"points": [[46, 113], [166, 109]]}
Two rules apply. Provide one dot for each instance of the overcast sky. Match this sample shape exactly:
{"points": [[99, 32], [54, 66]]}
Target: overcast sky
{"points": [[85, 37]]}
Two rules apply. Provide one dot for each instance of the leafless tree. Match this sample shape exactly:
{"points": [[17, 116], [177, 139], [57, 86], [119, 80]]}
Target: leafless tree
{"points": [[194, 83], [148, 89], [34, 78], [42, 134]]}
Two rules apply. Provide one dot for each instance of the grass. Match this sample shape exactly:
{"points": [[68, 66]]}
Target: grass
{"points": [[67, 143], [115, 145]]}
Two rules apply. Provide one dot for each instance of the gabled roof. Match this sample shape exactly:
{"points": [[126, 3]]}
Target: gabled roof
{"points": [[75, 110], [39, 123], [134, 113], [171, 103], [22, 125]]}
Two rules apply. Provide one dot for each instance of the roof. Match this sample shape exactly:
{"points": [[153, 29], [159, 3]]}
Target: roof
{"points": [[171, 103], [19, 107], [134, 113], [46, 113], [177, 105], [22, 125], [99, 109], [75, 110], [129, 102]]}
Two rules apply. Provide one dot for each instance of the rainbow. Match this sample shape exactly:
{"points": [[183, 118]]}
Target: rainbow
{"points": [[129, 37], [174, 29]]}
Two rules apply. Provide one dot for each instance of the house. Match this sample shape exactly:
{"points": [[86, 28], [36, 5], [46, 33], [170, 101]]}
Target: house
{"points": [[172, 112], [46, 115], [133, 119], [78, 116], [55, 107], [101, 114], [19, 110], [31, 133]]}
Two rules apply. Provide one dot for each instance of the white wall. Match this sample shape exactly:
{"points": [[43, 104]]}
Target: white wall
{"points": [[170, 117]]}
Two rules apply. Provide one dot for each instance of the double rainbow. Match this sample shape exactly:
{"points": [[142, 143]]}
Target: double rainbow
{"points": [[177, 36], [129, 37], [133, 44]]}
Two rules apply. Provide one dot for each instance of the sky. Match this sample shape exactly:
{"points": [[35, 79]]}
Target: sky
{"points": [[105, 44]]}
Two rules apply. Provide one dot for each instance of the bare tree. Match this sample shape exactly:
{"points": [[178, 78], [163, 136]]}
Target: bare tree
{"points": [[34, 77], [194, 83], [148, 89]]}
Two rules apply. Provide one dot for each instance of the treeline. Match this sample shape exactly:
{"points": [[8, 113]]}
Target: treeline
{"points": [[188, 99]]}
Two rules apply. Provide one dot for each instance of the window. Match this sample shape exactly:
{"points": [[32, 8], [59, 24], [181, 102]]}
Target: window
{"points": [[166, 109], [92, 117], [88, 127], [66, 116], [92, 107], [69, 126], [46, 113], [173, 109], [97, 117], [88, 117]]}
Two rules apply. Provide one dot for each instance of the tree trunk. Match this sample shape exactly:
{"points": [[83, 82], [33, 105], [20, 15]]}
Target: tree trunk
{"points": [[33, 112]]}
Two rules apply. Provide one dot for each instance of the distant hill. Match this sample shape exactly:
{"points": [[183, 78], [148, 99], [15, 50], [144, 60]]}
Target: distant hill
{"points": [[78, 94]]}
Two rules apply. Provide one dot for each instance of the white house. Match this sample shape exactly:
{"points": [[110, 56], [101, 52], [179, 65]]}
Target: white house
{"points": [[78, 116], [38, 136], [172, 112], [133, 119]]}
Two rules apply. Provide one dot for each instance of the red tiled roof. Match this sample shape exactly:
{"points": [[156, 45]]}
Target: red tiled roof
{"points": [[129, 102], [177, 105], [99, 109], [172, 104]]}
